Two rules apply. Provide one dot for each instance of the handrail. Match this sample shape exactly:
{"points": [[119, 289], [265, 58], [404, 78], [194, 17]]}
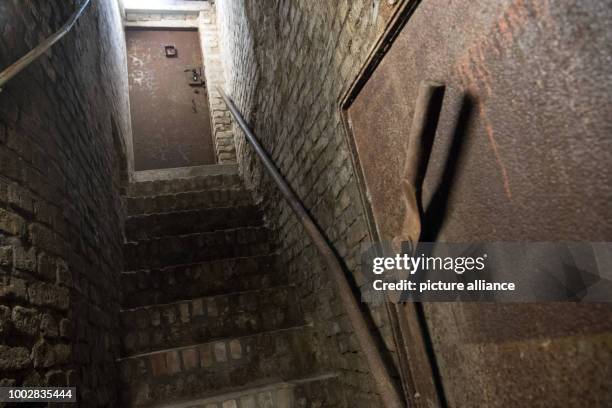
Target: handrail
{"points": [[41, 48], [385, 383]]}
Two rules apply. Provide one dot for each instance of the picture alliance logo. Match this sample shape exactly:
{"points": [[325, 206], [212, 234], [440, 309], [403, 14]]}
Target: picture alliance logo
{"points": [[414, 264]]}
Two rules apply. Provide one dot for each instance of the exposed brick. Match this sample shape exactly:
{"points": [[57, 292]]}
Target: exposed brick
{"points": [[158, 364], [248, 401], [25, 258], [11, 223], [5, 320], [206, 356], [65, 328], [49, 326], [61, 141], [47, 239], [45, 355], [229, 404], [47, 267], [12, 288], [26, 321], [235, 349], [14, 358], [6, 256], [265, 399], [220, 352], [44, 294], [173, 362], [239, 314], [190, 358]]}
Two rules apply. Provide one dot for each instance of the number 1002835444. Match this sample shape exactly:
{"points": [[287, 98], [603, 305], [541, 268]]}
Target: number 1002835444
{"points": [[37, 394]]}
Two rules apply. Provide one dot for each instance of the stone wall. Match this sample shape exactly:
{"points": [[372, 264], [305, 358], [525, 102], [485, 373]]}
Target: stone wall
{"points": [[287, 65], [63, 123], [213, 72]]}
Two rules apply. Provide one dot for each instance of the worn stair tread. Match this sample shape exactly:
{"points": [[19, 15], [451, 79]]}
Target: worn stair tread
{"points": [[192, 221], [258, 291], [207, 311], [298, 327], [185, 172], [206, 319], [190, 371], [210, 278], [199, 199], [265, 394], [197, 247], [195, 234], [176, 185]]}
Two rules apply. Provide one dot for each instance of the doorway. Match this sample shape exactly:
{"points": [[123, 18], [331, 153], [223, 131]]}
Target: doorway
{"points": [[171, 122]]}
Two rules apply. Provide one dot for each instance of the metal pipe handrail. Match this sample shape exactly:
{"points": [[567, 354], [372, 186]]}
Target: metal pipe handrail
{"points": [[41, 48], [384, 382]]}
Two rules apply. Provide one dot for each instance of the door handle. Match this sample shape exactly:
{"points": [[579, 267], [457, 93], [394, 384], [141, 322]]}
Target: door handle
{"points": [[420, 139], [195, 76]]}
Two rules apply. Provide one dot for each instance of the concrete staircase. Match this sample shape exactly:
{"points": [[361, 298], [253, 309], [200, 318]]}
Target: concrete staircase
{"points": [[209, 319]]}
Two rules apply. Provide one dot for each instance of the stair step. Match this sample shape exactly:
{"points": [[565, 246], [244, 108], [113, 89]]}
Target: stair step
{"points": [[209, 319], [166, 285], [199, 247], [205, 319], [275, 395], [178, 185], [200, 369], [185, 172], [191, 221], [322, 391], [189, 200]]}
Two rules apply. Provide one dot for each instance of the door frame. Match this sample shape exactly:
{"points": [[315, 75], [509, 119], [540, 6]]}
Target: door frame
{"points": [[416, 359], [171, 25], [197, 17]]}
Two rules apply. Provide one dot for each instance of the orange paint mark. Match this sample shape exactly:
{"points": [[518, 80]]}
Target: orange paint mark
{"points": [[504, 29], [472, 67], [504, 172], [517, 15], [541, 8], [467, 78]]}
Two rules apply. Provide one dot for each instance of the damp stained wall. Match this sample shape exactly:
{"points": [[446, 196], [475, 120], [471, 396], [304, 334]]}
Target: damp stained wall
{"points": [[64, 125]]}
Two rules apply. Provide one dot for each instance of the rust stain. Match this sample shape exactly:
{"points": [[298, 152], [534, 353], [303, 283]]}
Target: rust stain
{"points": [[475, 76], [471, 78], [504, 172], [473, 68]]}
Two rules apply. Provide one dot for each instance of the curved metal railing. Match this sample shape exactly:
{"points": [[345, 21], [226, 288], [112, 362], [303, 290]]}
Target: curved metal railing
{"points": [[41, 48], [380, 372]]}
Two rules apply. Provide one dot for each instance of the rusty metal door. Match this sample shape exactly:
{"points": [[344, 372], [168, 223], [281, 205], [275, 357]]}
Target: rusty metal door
{"points": [[168, 100], [522, 152]]}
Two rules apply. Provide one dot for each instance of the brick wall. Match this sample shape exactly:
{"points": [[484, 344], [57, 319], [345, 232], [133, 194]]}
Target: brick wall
{"points": [[287, 65], [213, 71], [62, 165]]}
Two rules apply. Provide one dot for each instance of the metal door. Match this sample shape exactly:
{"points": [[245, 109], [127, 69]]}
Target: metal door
{"points": [[522, 153], [168, 100]]}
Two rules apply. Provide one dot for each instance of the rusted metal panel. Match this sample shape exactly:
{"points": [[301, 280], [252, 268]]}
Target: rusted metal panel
{"points": [[522, 153], [170, 118]]}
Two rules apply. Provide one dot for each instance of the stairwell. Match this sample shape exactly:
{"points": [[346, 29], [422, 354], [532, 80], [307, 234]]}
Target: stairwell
{"points": [[208, 317]]}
